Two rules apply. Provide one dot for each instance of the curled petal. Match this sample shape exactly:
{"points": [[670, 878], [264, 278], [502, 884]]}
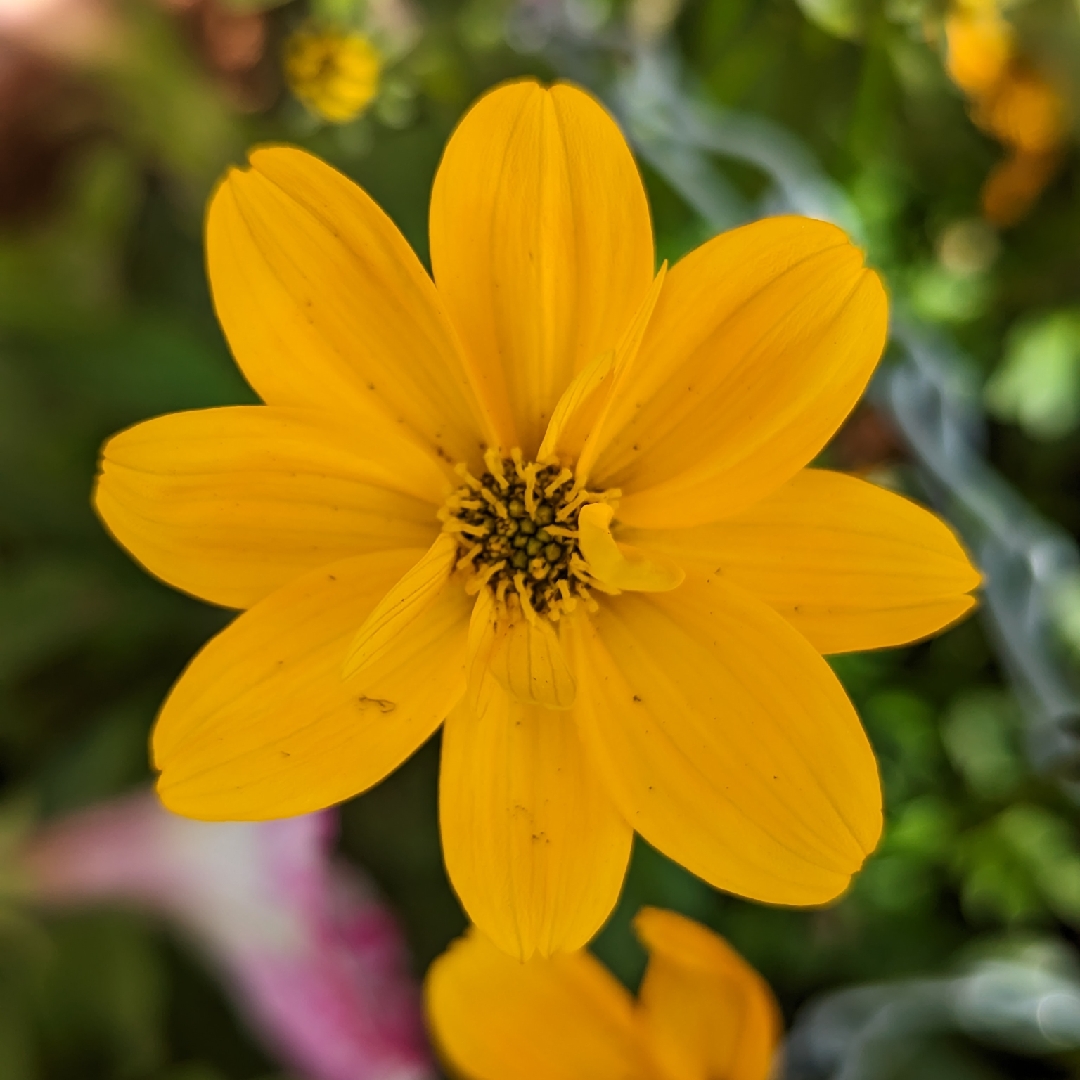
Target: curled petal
{"points": [[577, 409], [481, 641], [573, 433], [406, 602], [620, 565], [528, 661]]}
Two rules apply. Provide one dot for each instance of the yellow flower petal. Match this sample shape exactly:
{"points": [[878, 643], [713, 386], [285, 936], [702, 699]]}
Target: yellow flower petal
{"points": [[262, 725], [481, 641], [402, 606], [761, 342], [533, 845], [324, 303], [528, 662], [704, 1011], [850, 565], [726, 741], [620, 565], [230, 504], [541, 244], [565, 1018]]}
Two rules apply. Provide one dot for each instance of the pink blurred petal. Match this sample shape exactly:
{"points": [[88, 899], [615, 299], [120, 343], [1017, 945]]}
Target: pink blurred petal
{"points": [[313, 958]]}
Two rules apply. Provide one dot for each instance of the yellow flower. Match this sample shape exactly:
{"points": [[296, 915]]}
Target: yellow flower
{"points": [[980, 44], [335, 73], [630, 574], [1010, 101], [702, 1012], [1015, 184]]}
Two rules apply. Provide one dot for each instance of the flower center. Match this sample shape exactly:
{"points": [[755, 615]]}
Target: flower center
{"points": [[517, 533]]}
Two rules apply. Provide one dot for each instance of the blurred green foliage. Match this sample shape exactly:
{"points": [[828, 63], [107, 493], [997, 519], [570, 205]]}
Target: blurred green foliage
{"points": [[105, 320]]}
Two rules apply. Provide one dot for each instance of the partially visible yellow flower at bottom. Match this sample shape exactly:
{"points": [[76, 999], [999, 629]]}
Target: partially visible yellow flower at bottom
{"points": [[702, 1012], [335, 73]]}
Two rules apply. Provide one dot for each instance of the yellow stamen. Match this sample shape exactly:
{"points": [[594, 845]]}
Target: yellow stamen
{"points": [[494, 462], [558, 482]]}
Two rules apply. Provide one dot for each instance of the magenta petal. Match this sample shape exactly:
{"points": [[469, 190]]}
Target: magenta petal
{"points": [[314, 960]]}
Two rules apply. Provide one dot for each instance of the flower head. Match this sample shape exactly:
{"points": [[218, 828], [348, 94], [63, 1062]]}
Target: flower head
{"points": [[552, 497], [702, 1013], [335, 73]]}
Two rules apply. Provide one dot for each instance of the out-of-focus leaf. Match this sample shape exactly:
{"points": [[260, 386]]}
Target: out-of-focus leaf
{"points": [[1037, 384], [17, 1056], [107, 757], [1067, 610], [903, 732], [1023, 865], [981, 735], [102, 996], [924, 828], [897, 884], [841, 18], [941, 296], [45, 606]]}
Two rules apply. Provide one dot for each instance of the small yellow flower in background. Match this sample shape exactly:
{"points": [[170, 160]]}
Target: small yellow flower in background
{"points": [[702, 1013], [335, 73], [552, 497], [1010, 101]]}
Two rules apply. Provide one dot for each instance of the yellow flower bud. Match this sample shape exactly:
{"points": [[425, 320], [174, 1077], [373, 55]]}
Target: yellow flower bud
{"points": [[334, 73]]}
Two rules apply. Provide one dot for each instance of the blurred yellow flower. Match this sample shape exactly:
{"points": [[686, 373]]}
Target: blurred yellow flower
{"points": [[1010, 101], [335, 73], [702, 1013], [552, 497]]}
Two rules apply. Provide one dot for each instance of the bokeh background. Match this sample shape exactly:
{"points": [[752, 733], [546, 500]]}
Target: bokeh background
{"points": [[944, 138]]}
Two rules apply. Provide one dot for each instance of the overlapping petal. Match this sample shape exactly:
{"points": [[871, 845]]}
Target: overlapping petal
{"points": [[761, 342], [705, 1013], [726, 741], [325, 304], [578, 418], [533, 845], [230, 504], [407, 602], [541, 245], [564, 1018], [850, 565], [622, 566], [262, 724], [527, 660]]}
